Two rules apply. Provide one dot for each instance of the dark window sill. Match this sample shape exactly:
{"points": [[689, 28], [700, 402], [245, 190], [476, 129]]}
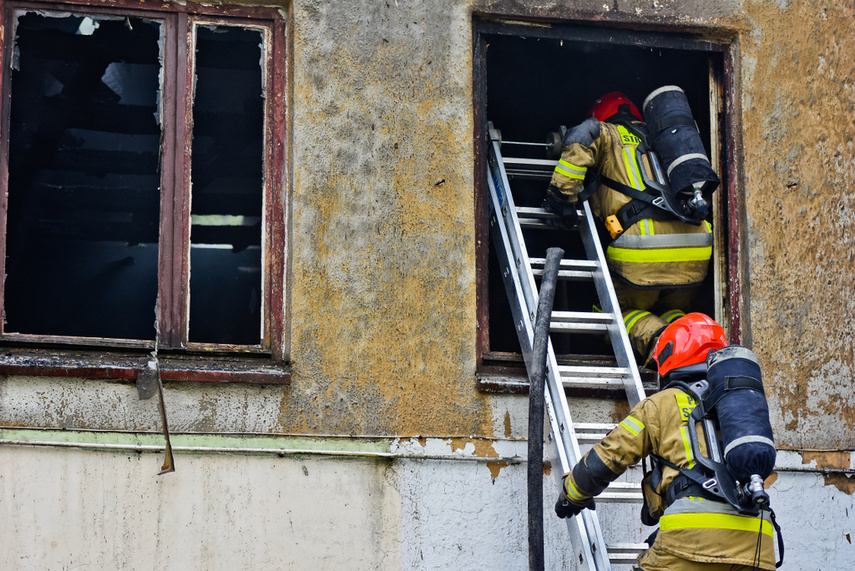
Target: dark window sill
{"points": [[505, 373], [126, 366]]}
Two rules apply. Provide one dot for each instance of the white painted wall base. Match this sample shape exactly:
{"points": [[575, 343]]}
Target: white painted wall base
{"points": [[72, 508]]}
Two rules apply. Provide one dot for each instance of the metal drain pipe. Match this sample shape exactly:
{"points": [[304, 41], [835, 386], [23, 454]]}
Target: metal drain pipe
{"points": [[536, 408]]}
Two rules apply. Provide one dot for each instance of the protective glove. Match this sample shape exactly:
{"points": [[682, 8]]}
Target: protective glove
{"points": [[564, 210], [584, 133], [565, 507]]}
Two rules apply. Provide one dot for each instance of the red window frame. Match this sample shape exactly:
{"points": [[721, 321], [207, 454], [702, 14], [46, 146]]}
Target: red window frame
{"points": [[180, 360]]}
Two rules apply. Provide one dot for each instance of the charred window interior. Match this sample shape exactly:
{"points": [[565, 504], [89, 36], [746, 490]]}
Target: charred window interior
{"points": [[137, 176], [225, 236], [533, 86], [84, 199]]}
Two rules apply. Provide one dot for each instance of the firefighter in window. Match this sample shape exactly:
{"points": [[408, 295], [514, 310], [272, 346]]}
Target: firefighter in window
{"points": [[709, 437], [652, 203]]}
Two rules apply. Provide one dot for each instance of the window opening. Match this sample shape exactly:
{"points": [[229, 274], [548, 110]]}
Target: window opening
{"points": [[227, 182], [139, 186], [83, 187], [534, 85]]}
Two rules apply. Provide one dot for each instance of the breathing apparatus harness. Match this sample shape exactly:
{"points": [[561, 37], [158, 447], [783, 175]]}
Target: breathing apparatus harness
{"points": [[712, 480], [681, 171], [653, 202]]}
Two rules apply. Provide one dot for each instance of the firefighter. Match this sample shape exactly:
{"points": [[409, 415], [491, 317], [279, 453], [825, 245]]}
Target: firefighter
{"points": [[658, 261], [697, 530]]}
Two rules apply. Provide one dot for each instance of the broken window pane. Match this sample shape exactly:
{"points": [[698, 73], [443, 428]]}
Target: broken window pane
{"points": [[83, 188], [227, 187]]}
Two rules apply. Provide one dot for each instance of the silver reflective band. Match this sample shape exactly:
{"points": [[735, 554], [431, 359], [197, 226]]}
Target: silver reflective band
{"points": [[688, 157], [734, 352], [662, 89], [663, 241], [747, 440]]}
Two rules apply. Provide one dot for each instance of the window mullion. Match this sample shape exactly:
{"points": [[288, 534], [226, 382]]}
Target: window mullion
{"points": [[175, 206]]}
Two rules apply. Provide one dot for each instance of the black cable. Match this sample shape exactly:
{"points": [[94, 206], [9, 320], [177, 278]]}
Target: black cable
{"points": [[756, 564]]}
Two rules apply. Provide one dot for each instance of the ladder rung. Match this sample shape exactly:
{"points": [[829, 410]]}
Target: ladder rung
{"points": [[533, 212], [546, 164], [569, 274], [538, 213], [578, 371], [589, 432], [622, 492], [567, 264], [578, 328], [534, 223], [586, 317], [593, 377], [568, 269], [625, 553], [534, 217], [580, 322]]}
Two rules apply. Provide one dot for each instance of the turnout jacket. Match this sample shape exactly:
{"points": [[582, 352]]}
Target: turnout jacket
{"points": [[692, 528], [650, 253]]}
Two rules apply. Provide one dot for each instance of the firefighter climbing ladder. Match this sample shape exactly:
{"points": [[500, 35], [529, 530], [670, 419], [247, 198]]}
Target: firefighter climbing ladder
{"points": [[506, 226]]}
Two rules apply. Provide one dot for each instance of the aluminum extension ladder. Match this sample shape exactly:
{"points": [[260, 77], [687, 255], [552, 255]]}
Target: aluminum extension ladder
{"points": [[507, 223]]}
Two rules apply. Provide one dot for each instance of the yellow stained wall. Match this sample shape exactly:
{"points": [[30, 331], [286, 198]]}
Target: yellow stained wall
{"points": [[798, 82], [383, 243]]}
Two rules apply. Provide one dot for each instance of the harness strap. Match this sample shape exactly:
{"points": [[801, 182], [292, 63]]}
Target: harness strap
{"points": [[690, 482], [628, 190], [732, 384], [780, 537], [683, 486]]}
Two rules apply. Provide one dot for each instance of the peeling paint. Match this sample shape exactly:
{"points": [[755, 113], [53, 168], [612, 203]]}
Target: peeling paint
{"points": [[828, 459], [495, 468], [843, 482]]}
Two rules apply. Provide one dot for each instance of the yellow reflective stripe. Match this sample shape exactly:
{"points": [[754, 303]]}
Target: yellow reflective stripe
{"points": [[686, 404], [660, 255], [570, 170], [633, 317], [672, 315], [633, 425], [646, 227], [714, 521], [632, 168], [627, 138], [573, 493], [684, 431]]}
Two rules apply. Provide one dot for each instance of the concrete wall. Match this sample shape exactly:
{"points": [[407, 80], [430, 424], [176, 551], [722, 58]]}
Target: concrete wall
{"points": [[383, 312]]}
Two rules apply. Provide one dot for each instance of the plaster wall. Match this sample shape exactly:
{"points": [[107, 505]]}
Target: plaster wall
{"points": [[68, 508], [382, 285]]}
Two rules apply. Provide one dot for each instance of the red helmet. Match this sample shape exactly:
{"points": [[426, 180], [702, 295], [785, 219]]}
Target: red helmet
{"points": [[688, 341], [608, 105]]}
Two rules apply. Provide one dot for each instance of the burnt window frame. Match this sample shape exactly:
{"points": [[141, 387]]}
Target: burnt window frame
{"points": [[180, 360], [504, 372]]}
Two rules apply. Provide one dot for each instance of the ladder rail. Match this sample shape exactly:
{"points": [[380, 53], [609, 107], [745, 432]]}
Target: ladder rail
{"points": [[519, 270], [584, 528], [608, 298]]}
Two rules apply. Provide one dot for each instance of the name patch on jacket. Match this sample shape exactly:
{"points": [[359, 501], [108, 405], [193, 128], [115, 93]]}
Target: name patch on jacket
{"points": [[685, 403], [626, 137]]}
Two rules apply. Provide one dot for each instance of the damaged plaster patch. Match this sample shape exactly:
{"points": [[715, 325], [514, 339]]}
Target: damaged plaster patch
{"points": [[505, 452], [509, 416], [843, 482]]}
